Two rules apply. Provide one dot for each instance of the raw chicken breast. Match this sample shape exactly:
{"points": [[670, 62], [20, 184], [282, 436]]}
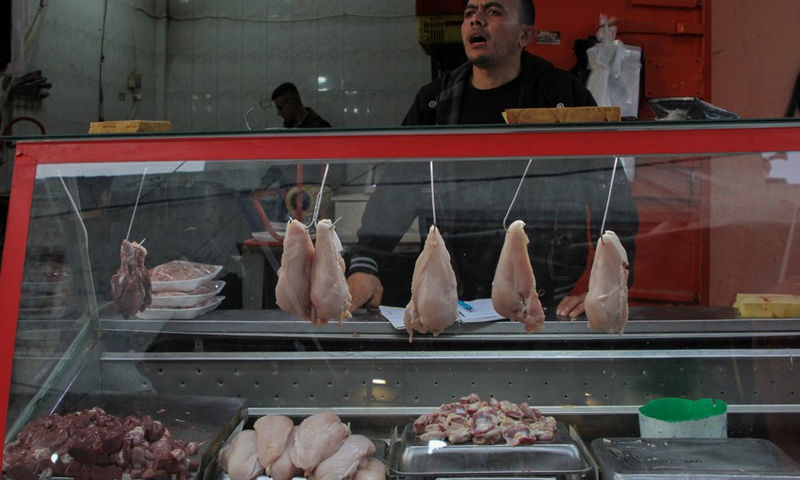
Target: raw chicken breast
{"points": [[514, 287], [272, 431], [434, 298], [293, 290], [343, 465], [607, 300], [330, 297], [240, 459], [373, 470], [318, 437], [283, 468]]}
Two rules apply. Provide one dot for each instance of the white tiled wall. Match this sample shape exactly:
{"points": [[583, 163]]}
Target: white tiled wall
{"points": [[67, 49], [357, 62]]}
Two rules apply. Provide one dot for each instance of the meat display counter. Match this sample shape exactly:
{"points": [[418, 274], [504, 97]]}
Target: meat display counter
{"points": [[707, 211]]}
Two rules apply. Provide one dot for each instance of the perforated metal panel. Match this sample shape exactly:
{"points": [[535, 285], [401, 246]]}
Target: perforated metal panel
{"points": [[420, 379]]}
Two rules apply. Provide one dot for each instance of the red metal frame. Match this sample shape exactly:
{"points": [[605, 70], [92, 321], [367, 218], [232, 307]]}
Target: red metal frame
{"points": [[616, 140], [631, 140]]}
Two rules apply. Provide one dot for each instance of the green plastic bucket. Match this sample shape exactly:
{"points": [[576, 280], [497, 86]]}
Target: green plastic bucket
{"points": [[682, 418]]}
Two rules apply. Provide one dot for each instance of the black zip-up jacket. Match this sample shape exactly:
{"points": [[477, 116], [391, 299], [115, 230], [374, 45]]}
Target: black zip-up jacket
{"points": [[313, 120], [542, 86], [559, 197]]}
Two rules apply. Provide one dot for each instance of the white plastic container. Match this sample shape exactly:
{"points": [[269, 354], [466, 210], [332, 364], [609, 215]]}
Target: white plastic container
{"points": [[682, 418]]}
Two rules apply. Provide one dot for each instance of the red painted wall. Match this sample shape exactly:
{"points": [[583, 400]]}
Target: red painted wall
{"points": [[755, 60]]}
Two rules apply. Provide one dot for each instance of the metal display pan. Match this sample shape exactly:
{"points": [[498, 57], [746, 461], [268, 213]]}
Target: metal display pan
{"points": [[564, 458], [695, 458], [215, 472], [206, 421]]}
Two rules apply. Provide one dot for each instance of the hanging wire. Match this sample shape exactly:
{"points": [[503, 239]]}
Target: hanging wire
{"points": [[135, 205], [319, 196], [608, 201], [519, 187], [433, 201]]}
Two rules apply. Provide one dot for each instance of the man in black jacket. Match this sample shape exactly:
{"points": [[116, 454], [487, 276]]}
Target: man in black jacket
{"points": [[290, 107], [559, 197]]}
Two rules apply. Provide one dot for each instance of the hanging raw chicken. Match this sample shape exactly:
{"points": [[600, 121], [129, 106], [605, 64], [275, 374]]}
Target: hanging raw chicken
{"points": [[514, 287], [131, 288], [434, 298], [607, 300], [330, 297], [293, 290]]}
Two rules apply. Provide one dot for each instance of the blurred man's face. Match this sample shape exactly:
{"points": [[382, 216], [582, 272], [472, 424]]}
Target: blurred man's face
{"points": [[492, 32], [285, 108]]}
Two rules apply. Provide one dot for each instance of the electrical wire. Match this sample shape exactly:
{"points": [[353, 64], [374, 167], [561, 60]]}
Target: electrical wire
{"points": [[33, 31], [272, 20], [100, 107]]}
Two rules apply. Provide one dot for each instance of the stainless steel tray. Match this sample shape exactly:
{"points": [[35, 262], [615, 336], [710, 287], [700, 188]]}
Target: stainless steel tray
{"points": [[206, 421], [695, 458], [564, 457]]}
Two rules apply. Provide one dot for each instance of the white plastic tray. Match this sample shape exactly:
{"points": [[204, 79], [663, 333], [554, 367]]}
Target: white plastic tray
{"points": [[46, 288], [181, 313], [267, 237], [46, 301], [178, 299], [187, 285]]}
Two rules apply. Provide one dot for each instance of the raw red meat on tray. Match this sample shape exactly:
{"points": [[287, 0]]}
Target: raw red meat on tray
{"points": [[94, 444]]}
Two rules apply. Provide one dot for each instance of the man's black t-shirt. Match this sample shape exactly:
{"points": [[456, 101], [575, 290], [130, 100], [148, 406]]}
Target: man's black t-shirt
{"points": [[479, 107]]}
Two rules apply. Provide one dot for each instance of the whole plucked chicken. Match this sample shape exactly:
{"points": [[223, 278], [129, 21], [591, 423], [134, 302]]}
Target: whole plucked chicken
{"points": [[514, 287], [434, 297], [330, 296], [607, 300], [293, 290]]}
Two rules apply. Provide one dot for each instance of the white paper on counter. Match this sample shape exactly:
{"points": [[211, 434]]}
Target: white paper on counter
{"points": [[482, 311]]}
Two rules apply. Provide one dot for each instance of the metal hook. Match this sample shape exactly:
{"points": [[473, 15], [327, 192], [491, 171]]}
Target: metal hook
{"points": [[608, 200], [505, 219], [264, 104]]}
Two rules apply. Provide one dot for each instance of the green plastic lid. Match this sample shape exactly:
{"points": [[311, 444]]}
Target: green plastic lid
{"points": [[682, 410]]}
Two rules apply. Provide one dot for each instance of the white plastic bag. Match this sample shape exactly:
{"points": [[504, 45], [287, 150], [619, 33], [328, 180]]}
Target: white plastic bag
{"points": [[615, 69]]}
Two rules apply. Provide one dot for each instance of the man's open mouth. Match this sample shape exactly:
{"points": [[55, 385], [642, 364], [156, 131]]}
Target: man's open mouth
{"points": [[477, 39]]}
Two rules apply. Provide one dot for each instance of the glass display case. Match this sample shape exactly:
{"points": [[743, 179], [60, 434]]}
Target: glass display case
{"points": [[707, 213]]}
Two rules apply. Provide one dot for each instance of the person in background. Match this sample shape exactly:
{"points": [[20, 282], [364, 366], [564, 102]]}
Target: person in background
{"points": [[290, 107], [560, 197]]}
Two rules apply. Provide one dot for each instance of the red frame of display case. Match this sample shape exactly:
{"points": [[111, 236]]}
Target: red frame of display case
{"points": [[625, 140]]}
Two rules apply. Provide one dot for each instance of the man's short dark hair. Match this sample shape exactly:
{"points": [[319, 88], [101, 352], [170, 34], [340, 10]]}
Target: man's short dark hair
{"points": [[527, 12], [288, 89]]}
